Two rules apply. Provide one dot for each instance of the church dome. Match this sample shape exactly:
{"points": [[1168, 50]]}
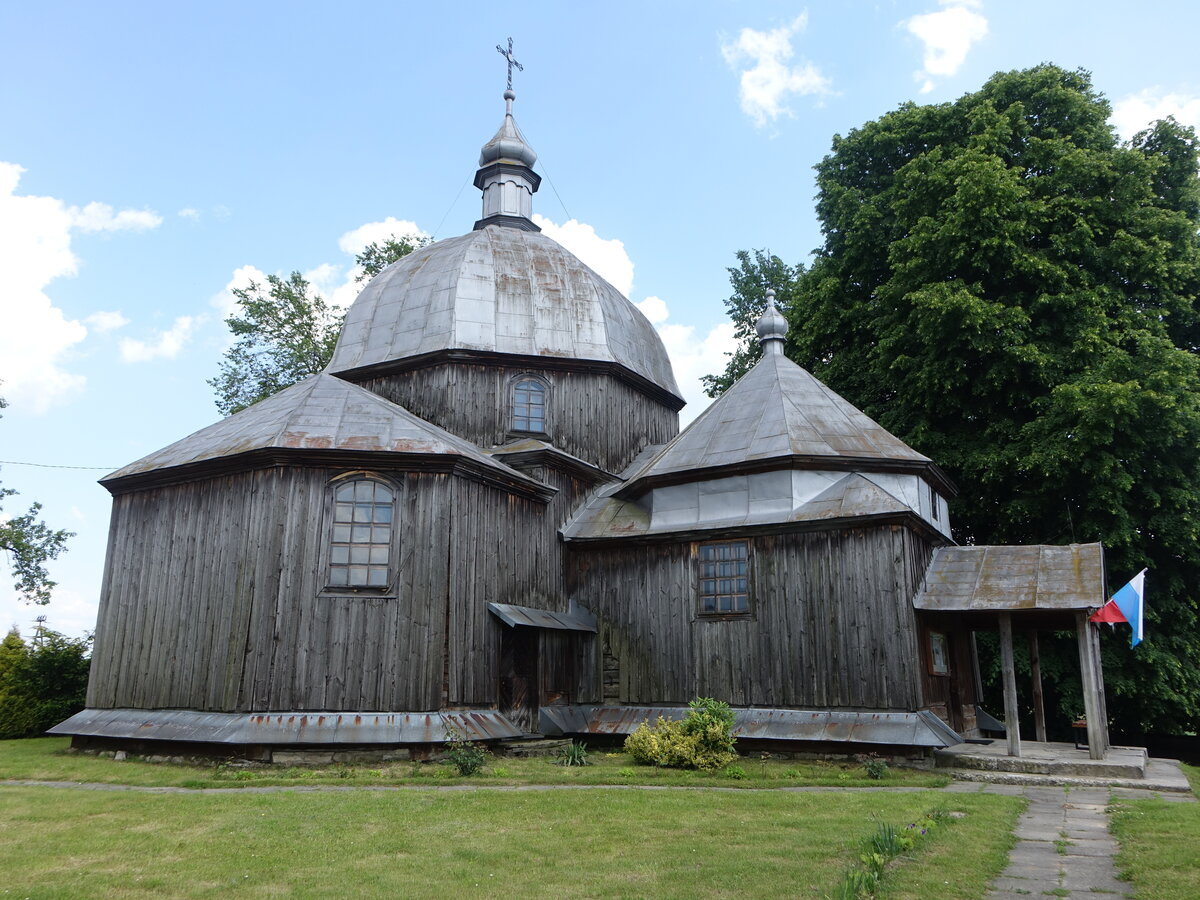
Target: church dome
{"points": [[498, 290]]}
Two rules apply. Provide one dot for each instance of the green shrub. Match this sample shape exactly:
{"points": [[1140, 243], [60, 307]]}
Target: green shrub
{"points": [[40, 684], [703, 739], [467, 757]]}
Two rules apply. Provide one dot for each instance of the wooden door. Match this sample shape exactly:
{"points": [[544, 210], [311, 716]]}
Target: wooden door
{"points": [[519, 688]]}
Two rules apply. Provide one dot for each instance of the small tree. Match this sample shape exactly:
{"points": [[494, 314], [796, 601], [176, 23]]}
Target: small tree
{"points": [[28, 543]]}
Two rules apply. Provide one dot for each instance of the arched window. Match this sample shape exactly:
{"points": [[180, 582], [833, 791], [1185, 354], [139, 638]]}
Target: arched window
{"points": [[529, 405], [360, 551]]}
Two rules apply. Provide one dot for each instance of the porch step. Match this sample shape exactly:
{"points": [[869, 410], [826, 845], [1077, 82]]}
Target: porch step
{"points": [[1162, 776], [1046, 759]]}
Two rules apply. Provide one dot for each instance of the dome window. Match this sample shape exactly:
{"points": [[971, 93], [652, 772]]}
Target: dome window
{"points": [[529, 405]]}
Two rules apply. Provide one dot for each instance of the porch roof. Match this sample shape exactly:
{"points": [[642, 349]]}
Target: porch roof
{"points": [[1013, 579]]}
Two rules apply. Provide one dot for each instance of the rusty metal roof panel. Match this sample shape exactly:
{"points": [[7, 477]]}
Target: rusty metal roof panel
{"points": [[320, 413], [290, 728], [503, 290], [567, 719], [999, 578], [912, 729], [575, 619]]}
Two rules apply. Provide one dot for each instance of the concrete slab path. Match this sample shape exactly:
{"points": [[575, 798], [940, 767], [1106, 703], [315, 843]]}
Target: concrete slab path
{"points": [[1063, 847]]}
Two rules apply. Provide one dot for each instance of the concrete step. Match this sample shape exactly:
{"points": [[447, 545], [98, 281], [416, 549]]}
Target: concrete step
{"points": [[1162, 776], [1039, 758]]}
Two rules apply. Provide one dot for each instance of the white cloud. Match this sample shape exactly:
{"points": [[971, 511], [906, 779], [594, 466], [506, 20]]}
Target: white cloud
{"points": [[654, 309], [189, 212], [35, 336], [693, 355], [224, 301], [947, 36], [163, 345], [101, 217], [607, 257], [1137, 111], [104, 321], [766, 84], [354, 242]]}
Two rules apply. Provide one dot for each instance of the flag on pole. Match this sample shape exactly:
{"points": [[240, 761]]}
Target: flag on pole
{"points": [[1126, 605]]}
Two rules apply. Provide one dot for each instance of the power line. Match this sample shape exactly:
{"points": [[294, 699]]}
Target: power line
{"points": [[13, 462]]}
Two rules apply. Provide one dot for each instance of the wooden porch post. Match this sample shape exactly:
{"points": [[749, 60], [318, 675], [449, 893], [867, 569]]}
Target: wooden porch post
{"points": [[1039, 709], [1097, 727], [1095, 633], [1012, 725]]}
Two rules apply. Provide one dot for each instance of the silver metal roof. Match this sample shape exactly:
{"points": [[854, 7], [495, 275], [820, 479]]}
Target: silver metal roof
{"points": [[1000, 579], [503, 290], [288, 727], [777, 409], [577, 619], [320, 413], [852, 496], [508, 143]]}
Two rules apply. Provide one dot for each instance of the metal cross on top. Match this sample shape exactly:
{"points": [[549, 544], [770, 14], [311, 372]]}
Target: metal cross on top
{"points": [[507, 54]]}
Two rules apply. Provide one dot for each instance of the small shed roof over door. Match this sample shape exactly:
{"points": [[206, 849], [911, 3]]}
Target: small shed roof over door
{"points": [[575, 619]]}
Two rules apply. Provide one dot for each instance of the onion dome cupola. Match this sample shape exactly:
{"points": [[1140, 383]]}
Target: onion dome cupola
{"points": [[506, 176]]}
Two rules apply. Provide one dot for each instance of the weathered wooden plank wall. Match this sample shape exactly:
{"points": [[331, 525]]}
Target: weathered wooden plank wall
{"points": [[832, 623], [503, 549], [472, 401], [214, 600]]}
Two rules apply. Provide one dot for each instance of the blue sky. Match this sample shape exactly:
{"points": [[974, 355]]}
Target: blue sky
{"points": [[151, 155]]}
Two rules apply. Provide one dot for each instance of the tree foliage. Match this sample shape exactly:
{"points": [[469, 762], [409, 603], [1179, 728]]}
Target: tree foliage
{"points": [[286, 331], [1013, 293], [43, 684], [755, 272], [28, 543]]}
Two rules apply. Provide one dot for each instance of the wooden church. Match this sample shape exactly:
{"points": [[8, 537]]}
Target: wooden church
{"points": [[482, 516]]}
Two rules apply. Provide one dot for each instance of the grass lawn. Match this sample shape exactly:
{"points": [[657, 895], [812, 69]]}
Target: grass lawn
{"points": [[1160, 845], [66, 842], [46, 759], [61, 842]]}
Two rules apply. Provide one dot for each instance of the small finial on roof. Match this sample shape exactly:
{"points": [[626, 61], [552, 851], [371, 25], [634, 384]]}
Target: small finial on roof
{"points": [[772, 327]]}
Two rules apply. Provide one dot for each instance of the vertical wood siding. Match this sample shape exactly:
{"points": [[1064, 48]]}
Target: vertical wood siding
{"points": [[213, 600], [832, 623], [473, 402], [213, 596]]}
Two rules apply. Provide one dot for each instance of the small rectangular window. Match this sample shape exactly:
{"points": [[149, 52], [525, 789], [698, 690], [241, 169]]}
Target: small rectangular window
{"points": [[724, 578], [934, 506]]}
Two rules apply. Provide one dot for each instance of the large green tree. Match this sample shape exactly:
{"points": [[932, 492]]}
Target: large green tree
{"points": [[286, 330], [1013, 292]]}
